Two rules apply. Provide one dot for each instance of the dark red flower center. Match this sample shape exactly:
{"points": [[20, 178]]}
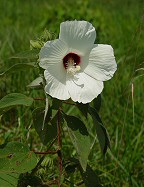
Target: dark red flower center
{"points": [[71, 59]]}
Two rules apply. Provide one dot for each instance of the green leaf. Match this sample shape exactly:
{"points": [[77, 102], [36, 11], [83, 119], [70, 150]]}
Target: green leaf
{"points": [[29, 180], [49, 132], [14, 99], [56, 104], [57, 116], [101, 131], [9, 179], [16, 158], [89, 177], [35, 44], [70, 168], [19, 67], [47, 36], [31, 54], [83, 108], [80, 138], [37, 83], [97, 103]]}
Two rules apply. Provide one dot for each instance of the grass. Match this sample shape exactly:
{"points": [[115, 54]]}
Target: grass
{"points": [[119, 23]]}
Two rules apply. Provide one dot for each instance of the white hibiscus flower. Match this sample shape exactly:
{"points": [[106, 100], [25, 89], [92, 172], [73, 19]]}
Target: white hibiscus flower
{"points": [[74, 66]]}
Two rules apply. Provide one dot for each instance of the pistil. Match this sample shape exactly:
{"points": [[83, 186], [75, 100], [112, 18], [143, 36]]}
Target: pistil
{"points": [[71, 63]]}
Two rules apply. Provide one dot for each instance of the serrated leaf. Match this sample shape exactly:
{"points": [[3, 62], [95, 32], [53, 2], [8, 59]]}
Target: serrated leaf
{"points": [[14, 99], [19, 67], [16, 158], [37, 83], [89, 177], [9, 180], [31, 54], [49, 132], [101, 131], [80, 138]]}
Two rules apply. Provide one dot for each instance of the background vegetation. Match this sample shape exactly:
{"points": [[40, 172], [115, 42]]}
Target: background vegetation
{"points": [[118, 23]]}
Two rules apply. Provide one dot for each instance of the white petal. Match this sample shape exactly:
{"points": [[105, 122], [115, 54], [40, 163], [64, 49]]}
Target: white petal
{"points": [[51, 58], [79, 35], [83, 88], [55, 88], [102, 64], [52, 53]]}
